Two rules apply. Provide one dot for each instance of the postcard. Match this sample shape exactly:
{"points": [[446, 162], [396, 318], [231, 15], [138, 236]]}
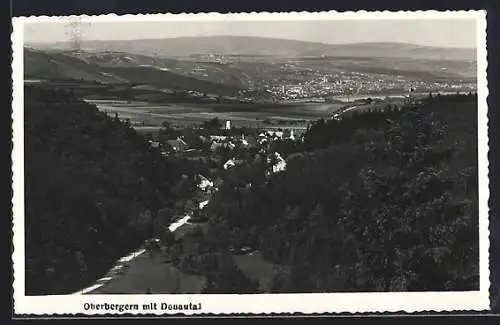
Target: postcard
{"points": [[250, 163]]}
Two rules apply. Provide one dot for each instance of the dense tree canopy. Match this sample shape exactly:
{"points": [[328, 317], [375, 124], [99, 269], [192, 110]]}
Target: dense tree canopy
{"points": [[93, 187], [382, 201], [376, 202], [213, 124]]}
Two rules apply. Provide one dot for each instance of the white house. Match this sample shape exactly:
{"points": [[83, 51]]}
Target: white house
{"points": [[229, 164], [278, 163], [278, 134], [262, 139], [202, 204], [154, 144], [205, 183], [218, 137]]}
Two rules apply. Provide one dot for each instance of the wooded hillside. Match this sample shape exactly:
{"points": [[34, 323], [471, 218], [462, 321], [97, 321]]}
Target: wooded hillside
{"points": [[93, 187], [378, 202]]}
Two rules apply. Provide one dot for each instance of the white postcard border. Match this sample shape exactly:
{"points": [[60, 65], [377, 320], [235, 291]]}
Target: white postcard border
{"points": [[259, 303]]}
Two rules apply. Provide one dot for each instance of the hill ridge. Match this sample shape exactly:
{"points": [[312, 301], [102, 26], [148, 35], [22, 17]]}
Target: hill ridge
{"points": [[231, 44]]}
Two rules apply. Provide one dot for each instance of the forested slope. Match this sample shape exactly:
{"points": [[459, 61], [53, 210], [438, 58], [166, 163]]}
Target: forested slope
{"points": [[379, 202], [93, 187]]}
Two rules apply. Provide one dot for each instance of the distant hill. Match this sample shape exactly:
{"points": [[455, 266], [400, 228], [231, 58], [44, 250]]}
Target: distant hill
{"points": [[246, 45], [109, 67], [45, 65]]}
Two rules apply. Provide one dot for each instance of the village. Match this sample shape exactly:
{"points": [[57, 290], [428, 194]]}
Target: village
{"points": [[220, 151], [224, 147]]}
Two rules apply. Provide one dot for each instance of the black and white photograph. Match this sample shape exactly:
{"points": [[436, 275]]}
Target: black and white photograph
{"points": [[253, 158]]}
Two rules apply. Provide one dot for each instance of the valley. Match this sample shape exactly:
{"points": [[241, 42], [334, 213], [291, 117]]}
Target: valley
{"points": [[269, 76], [273, 169]]}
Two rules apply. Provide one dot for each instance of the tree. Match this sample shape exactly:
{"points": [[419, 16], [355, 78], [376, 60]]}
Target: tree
{"points": [[213, 124], [392, 208], [228, 278], [167, 238], [106, 181]]}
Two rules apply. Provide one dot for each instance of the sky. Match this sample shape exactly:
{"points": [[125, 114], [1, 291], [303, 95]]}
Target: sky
{"points": [[430, 32]]}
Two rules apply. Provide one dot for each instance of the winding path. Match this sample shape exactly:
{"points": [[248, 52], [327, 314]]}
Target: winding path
{"points": [[153, 266]]}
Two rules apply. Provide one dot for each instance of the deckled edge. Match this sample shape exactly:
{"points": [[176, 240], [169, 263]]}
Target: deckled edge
{"points": [[254, 14], [14, 175], [270, 15], [488, 99]]}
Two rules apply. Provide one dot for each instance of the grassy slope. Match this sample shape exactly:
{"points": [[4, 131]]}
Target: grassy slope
{"points": [[57, 66], [166, 79]]}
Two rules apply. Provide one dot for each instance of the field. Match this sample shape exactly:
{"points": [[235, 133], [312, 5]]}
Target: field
{"points": [[240, 114], [149, 106]]}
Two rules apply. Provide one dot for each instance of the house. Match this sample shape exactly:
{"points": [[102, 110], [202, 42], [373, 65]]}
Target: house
{"points": [[262, 139], [177, 145], [278, 164], [218, 138], [244, 143], [154, 144], [233, 162], [205, 183], [251, 140], [229, 164], [201, 205], [276, 134]]}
